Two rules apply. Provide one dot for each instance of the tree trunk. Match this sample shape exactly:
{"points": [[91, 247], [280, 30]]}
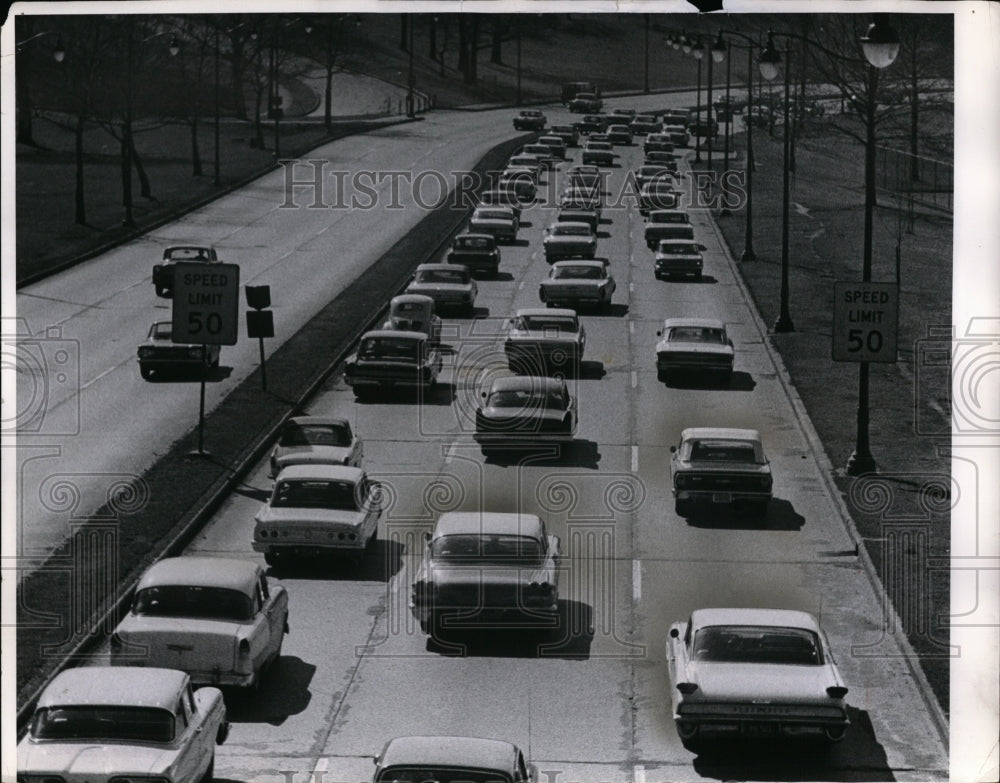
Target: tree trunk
{"points": [[195, 153], [126, 173], [463, 48], [403, 24], [23, 95], [914, 112], [239, 99], [496, 44], [473, 42], [144, 190], [80, 208], [431, 37], [258, 127]]}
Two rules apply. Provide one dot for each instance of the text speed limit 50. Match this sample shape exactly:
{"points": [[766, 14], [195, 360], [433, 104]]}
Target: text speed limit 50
{"points": [[206, 304], [865, 322]]}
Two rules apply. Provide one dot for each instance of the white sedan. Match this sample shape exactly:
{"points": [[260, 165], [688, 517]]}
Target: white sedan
{"points": [[101, 725], [754, 673]]}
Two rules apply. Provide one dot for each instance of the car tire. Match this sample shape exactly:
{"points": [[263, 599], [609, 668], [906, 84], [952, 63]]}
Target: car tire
{"points": [[146, 372], [682, 507]]}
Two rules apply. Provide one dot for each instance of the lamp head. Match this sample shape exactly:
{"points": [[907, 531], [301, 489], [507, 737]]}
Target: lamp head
{"points": [[881, 43], [769, 59], [719, 48]]}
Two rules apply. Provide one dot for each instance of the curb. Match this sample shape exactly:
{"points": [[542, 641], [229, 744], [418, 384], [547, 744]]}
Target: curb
{"points": [[938, 718], [435, 229]]}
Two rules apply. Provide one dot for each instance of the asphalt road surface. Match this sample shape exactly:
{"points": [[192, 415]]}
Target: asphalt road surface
{"points": [[593, 705]]}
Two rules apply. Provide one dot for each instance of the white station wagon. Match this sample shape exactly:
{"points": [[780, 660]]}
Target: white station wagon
{"points": [[103, 725], [317, 509], [218, 619]]}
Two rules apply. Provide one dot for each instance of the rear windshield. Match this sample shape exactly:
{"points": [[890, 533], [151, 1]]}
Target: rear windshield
{"points": [[190, 601], [519, 549], [425, 774], [578, 273], [723, 451], [749, 644], [569, 230], [131, 724], [389, 348], [315, 435], [335, 495], [545, 323], [450, 276], [697, 334], [162, 330], [478, 243], [528, 399]]}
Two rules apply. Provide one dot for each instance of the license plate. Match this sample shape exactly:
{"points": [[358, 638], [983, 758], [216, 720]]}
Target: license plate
{"points": [[722, 497]]}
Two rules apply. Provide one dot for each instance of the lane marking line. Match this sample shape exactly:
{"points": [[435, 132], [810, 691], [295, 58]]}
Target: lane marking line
{"points": [[638, 774], [451, 452], [635, 459], [636, 592], [635, 379]]}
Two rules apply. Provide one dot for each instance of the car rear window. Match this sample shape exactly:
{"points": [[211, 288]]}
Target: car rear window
{"points": [[751, 644], [723, 451], [544, 323], [527, 399], [426, 774], [315, 435], [479, 547], [697, 334], [579, 272], [450, 276], [389, 348], [193, 601], [131, 724], [334, 495]]}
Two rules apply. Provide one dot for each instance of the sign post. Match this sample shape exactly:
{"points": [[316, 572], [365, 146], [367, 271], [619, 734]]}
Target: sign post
{"points": [[865, 322], [205, 312]]}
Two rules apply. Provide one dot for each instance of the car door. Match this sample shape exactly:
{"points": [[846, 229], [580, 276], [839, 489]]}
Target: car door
{"points": [[370, 507], [274, 613], [188, 737]]}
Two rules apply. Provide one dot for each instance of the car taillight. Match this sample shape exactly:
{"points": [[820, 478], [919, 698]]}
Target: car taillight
{"points": [[765, 482], [681, 481], [687, 688], [145, 351], [116, 644], [244, 647], [422, 591], [194, 353], [836, 691]]}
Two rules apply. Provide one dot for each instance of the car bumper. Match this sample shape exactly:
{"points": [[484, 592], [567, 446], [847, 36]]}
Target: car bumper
{"points": [[555, 253], [721, 496], [678, 269], [469, 617], [200, 677], [307, 548], [666, 364], [367, 382], [521, 438]]}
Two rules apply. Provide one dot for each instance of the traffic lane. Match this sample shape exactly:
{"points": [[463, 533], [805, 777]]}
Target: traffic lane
{"points": [[295, 246]]}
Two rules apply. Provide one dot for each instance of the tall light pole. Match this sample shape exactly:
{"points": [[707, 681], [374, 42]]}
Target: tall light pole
{"points": [[411, 77], [645, 82], [770, 59], [718, 53], [21, 89], [517, 29], [698, 50], [217, 177], [880, 45]]}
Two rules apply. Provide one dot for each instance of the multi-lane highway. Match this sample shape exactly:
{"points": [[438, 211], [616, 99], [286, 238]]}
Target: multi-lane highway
{"points": [[593, 705]]}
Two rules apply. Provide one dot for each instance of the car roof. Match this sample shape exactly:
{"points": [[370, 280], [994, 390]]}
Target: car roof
{"points": [[438, 268], [580, 262], [396, 333], [675, 241], [573, 223], [472, 235], [332, 421], [720, 433], [450, 752], [137, 686], [196, 571], [782, 618], [411, 299], [516, 382], [493, 523], [705, 323], [321, 472], [560, 311], [668, 212]]}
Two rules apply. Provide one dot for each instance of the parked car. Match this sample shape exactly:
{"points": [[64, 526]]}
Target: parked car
{"points": [[568, 133], [556, 145], [720, 466], [658, 193], [452, 759], [528, 410], [678, 257], [414, 313], [316, 440], [657, 142], [667, 224], [569, 240], [488, 568], [387, 359], [599, 153], [530, 120], [619, 134], [109, 725], [449, 285], [642, 124], [586, 102], [575, 283], [754, 673], [499, 222], [163, 273], [694, 345], [159, 354], [703, 127], [218, 619], [478, 252], [541, 341], [592, 123], [318, 509]]}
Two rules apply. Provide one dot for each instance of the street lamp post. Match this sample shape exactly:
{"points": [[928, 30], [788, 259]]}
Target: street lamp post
{"points": [[645, 82], [718, 52], [769, 62], [21, 90], [517, 29], [729, 105], [217, 176], [411, 78], [880, 45], [699, 52]]}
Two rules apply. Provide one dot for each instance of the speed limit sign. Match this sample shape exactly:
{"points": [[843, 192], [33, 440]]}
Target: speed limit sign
{"points": [[865, 322], [206, 304]]}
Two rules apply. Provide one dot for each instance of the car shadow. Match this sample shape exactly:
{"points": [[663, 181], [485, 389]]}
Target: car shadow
{"points": [[567, 635], [578, 453], [518, 242], [781, 515], [703, 280], [604, 235], [739, 381], [283, 692], [253, 493], [591, 370], [381, 563], [441, 394], [859, 756], [501, 277], [190, 375]]}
